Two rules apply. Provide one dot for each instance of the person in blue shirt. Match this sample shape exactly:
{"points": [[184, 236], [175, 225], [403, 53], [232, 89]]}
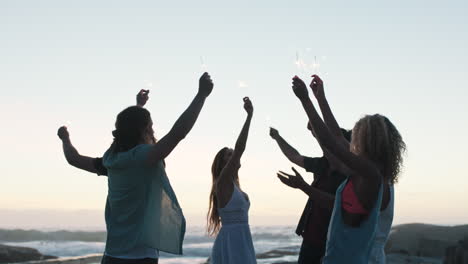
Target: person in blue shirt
{"points": [[142, 212]]}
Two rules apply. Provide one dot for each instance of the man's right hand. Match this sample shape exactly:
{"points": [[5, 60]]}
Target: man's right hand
{"points": [[62, 133], [205, 85]]}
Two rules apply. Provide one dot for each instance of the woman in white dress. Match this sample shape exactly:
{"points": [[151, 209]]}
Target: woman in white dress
{"points": [[229, 205]]}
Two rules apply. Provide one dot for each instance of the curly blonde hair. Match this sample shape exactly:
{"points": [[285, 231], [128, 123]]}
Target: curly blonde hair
{"points": [[378, 139]]}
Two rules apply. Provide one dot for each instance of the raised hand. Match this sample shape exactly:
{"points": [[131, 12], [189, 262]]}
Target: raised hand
{"points": [[299, 88], [317, 86], [248, 105], [292, 181], [62, 133], [205, 85], [274, 133], [142, 97]]}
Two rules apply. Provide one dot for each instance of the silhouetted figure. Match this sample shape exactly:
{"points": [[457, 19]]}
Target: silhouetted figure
{"points": [[372, 162], [313, 224], [143, 215]]}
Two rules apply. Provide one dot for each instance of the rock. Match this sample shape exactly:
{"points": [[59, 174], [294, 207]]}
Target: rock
{"points": [[423, 240], [9, 254], [457, 254]]}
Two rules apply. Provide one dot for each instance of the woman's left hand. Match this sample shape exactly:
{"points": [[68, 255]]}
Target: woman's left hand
{"points": [[292, 181], [248, 105]]}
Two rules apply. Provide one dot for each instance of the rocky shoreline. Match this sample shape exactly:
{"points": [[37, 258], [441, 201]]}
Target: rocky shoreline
{"points": [[11, 254]]}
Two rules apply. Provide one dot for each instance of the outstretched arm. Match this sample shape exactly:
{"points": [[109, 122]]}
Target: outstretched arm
{"points": [[317, 88], [234, 161], [71, 154], [184, 124], [358, 165], [93, 165], [291, 153], [323, 199]]}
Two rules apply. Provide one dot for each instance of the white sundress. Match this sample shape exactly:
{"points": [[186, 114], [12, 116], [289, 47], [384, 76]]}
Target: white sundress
{"points": [[234, 245]]}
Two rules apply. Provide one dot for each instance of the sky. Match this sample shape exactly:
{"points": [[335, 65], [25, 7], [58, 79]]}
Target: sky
{"points": [[79, 63]]}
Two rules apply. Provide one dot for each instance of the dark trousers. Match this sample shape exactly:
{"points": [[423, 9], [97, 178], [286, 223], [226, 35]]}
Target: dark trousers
{"points": [[111, 260], [310, 254]]}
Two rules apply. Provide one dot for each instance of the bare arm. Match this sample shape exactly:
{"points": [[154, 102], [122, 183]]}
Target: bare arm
{"points": [[142, 97], [71, 154], [319, 92], [291, 153], [360, 166], [233, 164], [183, 125]]}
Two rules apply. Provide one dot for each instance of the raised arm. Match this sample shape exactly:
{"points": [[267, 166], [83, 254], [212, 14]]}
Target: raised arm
{"points": [[233, 164], [360, 166], [184, 124], [291, 153], [71, 154], [319, 92]]}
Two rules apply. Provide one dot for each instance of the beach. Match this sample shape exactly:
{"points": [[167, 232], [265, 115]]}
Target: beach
{"points": [[410, 243]]}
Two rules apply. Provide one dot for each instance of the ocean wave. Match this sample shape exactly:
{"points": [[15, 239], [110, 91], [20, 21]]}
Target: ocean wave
{"points": [[19, 235]]}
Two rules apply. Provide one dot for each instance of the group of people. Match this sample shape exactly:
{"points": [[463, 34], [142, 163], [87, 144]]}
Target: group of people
{"points": [[347, 218]]}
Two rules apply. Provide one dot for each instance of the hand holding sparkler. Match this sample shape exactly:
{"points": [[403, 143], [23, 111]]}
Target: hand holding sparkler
{"points": [[205, 85], [62, 133], [142, 97], [248, 106], [299, 88], [317, 86]]}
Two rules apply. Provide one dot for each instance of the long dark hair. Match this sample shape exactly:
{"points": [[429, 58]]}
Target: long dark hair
{"points": [[213, 215], [130, 128]]}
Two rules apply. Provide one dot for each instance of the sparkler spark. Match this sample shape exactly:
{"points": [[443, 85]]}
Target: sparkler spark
{"points": [[242, 84]]}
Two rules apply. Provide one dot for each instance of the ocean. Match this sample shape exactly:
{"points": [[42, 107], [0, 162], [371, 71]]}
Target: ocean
{"points": [[273, 244]]}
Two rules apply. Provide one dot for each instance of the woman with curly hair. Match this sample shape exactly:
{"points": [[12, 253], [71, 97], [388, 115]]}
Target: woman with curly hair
{"points": [[372, 160]]}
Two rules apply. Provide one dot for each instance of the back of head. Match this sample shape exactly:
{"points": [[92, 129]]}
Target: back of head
{"points": [[213, 214], [131, 128], [378, 139]]}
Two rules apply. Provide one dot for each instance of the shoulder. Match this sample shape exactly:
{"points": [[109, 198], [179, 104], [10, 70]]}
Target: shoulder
{"points": [[137, 154]]}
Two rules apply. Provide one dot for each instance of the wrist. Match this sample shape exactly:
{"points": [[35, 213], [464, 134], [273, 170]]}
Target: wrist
{"points": [[200, 95], [66, 140], [303, 186], [320, 96], [304, 98]]}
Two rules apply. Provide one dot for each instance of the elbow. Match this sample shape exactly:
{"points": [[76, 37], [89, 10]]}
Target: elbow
{"points": [[71, 161], [181, 136]]}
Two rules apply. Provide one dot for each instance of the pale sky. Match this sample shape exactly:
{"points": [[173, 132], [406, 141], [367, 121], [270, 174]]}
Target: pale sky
{"points": [[84, 61]]}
